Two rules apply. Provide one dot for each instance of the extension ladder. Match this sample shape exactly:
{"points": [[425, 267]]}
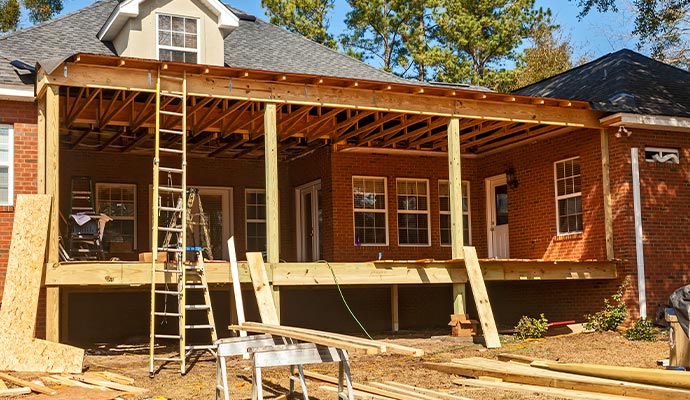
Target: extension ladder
{"points": [[170, 219], [193, 197]]}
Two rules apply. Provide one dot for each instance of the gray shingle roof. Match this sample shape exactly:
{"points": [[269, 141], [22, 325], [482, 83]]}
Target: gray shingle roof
{"points": [[624, 81], [254, 45]]}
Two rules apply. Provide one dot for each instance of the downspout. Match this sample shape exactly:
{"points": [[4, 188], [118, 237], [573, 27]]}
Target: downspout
{"points": [[639, 251]]}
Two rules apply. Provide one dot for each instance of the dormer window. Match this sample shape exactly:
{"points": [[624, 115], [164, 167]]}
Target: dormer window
{"points": [[178, 39]]}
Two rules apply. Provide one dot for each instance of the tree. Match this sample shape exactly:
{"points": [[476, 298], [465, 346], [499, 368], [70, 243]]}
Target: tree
{"points": [[477, 38], [549, 55], [663, 26], [39, 11], [305, 17]]}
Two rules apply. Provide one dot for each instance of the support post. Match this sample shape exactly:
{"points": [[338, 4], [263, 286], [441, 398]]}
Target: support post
{"points": [[395, 316], [606, 185], [639, 245], [48, 125], [456, 231], [272, 203]]}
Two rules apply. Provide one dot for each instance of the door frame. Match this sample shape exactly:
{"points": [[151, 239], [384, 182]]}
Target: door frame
{"points": [[490, 183], [314, 187]]}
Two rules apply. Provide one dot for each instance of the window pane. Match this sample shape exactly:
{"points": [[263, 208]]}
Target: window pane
{"points": [[190, 41], [164, 38], [164, 22], [190, 25], [178, 39], [4, 185], [4, 144], [178, 24]]}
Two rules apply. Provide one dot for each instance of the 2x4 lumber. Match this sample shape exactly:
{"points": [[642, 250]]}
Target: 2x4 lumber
{"points": [[262, 289], [14, 391], [358, 394], [360, 387], [519, 358], [271, 167], [556, 392], [518, 373], [110, 376], [606, 186], [455, 183], [438, 395], [236, 288], [33, 386], [52, 165], [481, 299], [660, 377], [110, 385], [402, 391], [350, 347], [247, 89]]}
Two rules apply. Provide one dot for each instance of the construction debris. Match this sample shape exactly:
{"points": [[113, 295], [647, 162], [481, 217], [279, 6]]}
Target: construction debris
{"points": [[74, 385]]}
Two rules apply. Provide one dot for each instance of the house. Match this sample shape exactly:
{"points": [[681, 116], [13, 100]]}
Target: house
{"points": [[648, 111], [307, 155]]}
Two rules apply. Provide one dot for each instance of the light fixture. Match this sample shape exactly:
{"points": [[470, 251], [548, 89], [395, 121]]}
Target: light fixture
{"points": [[511, 179], [621, 131]]}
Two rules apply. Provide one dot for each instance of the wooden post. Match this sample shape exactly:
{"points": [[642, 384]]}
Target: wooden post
{"points": [[639, 236], [395, 316], [272, 204], [606, 185], [456, 231], [48, 183]]}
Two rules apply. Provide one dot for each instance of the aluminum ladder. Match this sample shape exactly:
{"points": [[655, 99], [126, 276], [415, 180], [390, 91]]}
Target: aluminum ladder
{"points": [[170, 220]]}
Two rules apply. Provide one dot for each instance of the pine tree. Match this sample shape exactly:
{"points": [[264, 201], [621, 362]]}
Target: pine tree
{"points": [[549, 55], [39, 11], [309, 18]]}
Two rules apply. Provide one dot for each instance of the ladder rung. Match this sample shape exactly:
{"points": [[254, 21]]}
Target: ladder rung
{"points": [[171, 94], [169, 150], [169, 292], [166, 229], [172, 78], [171, 249], [175, 113], [194, 268], [171, 209], [167, 336], [169, 271], [179, 359], [199, 326], [197, 307], [168, 169], [167, 314], [81, 208], [196, 287], [170, 189], [171, 131], [200, 347]]}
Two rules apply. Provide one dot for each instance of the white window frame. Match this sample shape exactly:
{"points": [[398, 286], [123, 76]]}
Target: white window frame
{"points": [[133, 218], [662, 155], [566, 196], [197, 50], [465, 193], [253, 220], [415, 212], [10, 166], [356, 210]]}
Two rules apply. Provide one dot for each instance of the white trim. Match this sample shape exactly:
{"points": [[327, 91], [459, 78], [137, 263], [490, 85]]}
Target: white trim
{"points": [[196, 50], [415, 212], [356, 210], [639, 245], [647, 121], [565, 196], [490, 183], [314, 187], [468, 213], [227, 21], [16, 94], [254, 220], [9, 165], [133, 218]]}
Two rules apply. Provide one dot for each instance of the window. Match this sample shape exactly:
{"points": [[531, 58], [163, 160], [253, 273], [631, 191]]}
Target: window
{"points": [[6, 164], [370, 210], [118, 201], [178, 39], [255, 201], [413, 212], [444, 210], [661, 155], [568, 196]]}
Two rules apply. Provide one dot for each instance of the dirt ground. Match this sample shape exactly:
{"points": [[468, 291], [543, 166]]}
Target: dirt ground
{"points": [[603, 348]]}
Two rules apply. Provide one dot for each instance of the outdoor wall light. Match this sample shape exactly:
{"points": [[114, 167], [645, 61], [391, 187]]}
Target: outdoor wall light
{"points": [[511, 179], [621, 131]]}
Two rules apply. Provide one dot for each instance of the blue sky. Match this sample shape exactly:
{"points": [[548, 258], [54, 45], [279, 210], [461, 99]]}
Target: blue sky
{"points": [[593, 37]]}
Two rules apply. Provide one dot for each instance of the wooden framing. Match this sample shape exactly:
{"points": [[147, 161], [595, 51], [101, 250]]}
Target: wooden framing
{"points": [[606, 186]]}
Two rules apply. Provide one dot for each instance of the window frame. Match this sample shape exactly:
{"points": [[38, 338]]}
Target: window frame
{"points": [[566, 196], [468, 213], [247, 191], [133, 218], [366, 210], [10, 166], [415, 212], [196, 50]]}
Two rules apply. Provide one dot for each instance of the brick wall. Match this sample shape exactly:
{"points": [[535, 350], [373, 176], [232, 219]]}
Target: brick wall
{"points": [[22, 116]]}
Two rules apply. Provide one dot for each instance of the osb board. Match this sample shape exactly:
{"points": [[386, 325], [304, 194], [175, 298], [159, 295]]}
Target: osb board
{"points": [[25, 265], [37, 355]]}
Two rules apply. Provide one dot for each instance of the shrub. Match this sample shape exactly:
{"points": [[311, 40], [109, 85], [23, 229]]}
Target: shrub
{"points": [[531, 328], [643, 329], [612, 315]]}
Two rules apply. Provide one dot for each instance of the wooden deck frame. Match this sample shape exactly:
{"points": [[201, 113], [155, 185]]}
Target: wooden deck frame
{"points": [[247, 111]]}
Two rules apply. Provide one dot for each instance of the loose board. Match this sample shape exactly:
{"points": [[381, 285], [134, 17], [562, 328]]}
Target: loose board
{"points": [[481, 298]]}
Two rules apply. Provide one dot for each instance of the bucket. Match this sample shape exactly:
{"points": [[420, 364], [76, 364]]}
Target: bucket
{"points": [[679, 343]]}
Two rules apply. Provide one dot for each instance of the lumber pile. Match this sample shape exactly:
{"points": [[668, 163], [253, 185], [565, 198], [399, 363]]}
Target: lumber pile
{"points": [[92, 385], [384, 391], [568, 381]]}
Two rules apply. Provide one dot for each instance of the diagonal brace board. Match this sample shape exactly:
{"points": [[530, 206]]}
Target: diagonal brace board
{"points": [[21, 351], [481, 298]]}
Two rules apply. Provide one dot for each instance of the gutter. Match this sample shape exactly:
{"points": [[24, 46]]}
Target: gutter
{"points": [[16, 94]]}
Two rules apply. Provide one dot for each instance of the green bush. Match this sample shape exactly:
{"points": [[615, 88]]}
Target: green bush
{"points": [[612, 315], [531, 328], [643, 329]]}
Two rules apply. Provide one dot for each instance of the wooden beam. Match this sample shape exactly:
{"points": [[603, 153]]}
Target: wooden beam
{"points": [[395, 315], [262, 289], [53, 309], [52, 165], [606, 187], [271, 166], [404, 123], [481, 299], [327, 96], [543, 390], [455, 184]]}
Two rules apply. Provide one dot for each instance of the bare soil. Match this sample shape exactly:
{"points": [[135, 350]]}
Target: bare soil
{"points": [[601, 348]]}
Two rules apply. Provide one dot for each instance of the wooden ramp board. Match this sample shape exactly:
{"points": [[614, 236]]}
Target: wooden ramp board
{"points": [[481, 298], [262, 289], [518, 373], [21, 352]]}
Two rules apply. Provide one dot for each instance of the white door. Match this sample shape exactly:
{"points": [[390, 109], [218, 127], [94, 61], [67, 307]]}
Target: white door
{"points": [[497, 216], [308, 200]]}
